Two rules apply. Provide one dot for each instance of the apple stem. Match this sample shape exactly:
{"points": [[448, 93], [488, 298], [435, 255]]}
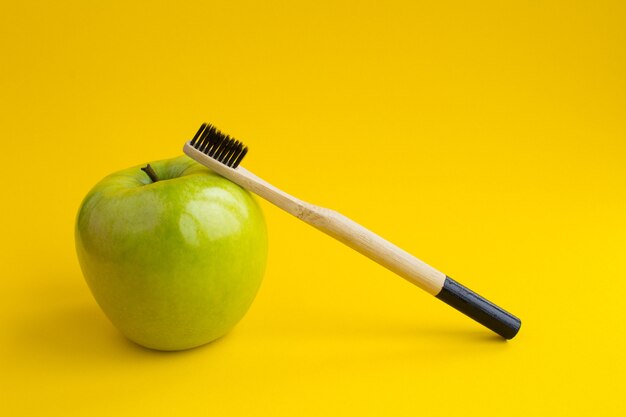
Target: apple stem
{"points": [[150, 172]]}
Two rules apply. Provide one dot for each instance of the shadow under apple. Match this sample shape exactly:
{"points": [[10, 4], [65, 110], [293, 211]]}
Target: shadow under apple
{"points": [[66, 329]]}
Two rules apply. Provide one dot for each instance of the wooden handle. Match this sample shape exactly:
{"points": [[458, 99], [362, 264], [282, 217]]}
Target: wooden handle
{"points": [[373, 246], [334, 224]]}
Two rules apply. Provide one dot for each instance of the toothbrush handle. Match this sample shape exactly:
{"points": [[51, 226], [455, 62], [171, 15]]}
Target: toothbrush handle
{"points": [[412, 269], [373, 246]]}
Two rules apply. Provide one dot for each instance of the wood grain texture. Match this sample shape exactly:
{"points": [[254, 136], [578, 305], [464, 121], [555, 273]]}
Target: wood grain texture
{"points": [[333, 224]]}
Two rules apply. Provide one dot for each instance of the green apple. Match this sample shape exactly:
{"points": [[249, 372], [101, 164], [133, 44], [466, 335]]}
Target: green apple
{"points": [[174, 263]]}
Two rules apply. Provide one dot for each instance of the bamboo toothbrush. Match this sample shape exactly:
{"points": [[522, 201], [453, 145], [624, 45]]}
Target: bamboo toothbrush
{"points": [[223, 154]]}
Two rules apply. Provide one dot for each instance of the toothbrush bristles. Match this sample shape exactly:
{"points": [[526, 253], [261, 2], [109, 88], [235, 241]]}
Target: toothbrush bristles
{"points": [[219, 146]]}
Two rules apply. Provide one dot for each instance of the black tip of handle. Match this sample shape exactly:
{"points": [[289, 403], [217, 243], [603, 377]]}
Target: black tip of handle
{"points": [[479, 309]]}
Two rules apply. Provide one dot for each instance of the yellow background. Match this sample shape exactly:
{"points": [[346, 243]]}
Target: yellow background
{"points": [[488, 138]]}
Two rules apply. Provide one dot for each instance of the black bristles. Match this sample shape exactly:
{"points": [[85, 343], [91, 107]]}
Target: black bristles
{"points": [[228, 144], [195, 138], [210, 141], [230, 158], [240, 156]]}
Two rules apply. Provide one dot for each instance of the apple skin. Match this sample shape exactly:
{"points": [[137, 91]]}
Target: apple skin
{"points": [[176, 263]]}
